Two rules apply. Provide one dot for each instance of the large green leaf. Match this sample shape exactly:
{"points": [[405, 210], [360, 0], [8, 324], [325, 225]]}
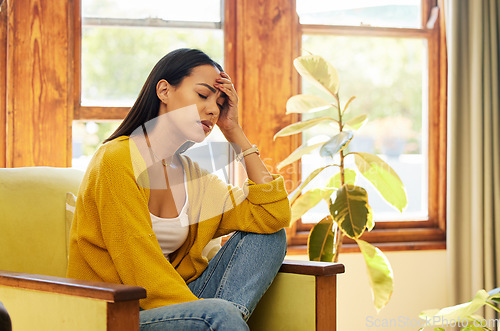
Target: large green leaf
{"points": [[301, 126], [380, 273], [336, 144], [351, 210], [461, 311], [385, 180], [319, 72], [349, 178], [308, 200], [321, 240], [357, 122], [306, 103], [311, 176], [297, 154]]}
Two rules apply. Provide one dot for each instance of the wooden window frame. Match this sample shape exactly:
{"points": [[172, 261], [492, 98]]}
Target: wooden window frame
{"points": [[426, 234]]}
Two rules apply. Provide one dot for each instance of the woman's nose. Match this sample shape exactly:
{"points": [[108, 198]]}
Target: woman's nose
{"points": [[212, 108]]}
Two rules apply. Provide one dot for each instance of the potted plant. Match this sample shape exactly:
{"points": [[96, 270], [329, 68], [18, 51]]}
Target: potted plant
{"points": [[349, 212]]}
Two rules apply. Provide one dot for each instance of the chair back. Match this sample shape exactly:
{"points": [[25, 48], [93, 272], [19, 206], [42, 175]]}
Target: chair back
{"points": [[33, 236]]}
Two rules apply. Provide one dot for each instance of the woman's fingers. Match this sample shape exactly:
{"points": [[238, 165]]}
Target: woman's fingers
{"points": [[224, 81], [226, 86], [231, 96]]}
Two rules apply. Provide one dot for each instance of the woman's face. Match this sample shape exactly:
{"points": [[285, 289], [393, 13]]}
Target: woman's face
{"points": [[195, 104]]}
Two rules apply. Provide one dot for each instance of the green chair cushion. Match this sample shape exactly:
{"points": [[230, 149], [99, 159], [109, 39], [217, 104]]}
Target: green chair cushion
{"points": [[33, 235]]}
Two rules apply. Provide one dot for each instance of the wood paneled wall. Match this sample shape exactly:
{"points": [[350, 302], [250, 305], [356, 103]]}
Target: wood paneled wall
{"points": [[38, 89], [3, 82], [266, 34]]}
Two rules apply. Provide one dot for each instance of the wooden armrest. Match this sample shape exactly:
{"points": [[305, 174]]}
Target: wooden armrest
{"points": [[303, 296], [95, 290], [312, 268]]}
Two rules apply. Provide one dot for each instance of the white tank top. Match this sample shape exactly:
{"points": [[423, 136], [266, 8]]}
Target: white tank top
{"points": [[172, 232]]}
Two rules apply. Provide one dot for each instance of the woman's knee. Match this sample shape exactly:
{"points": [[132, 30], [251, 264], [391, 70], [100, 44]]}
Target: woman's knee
{"points": [[225, 315], [273, 242]]}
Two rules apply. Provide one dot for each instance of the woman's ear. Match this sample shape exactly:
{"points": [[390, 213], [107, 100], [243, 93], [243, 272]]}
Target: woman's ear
{"points": [[162, 88]]}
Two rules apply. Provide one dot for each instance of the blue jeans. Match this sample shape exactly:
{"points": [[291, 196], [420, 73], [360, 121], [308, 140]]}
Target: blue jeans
{"points": [[231, 286]]}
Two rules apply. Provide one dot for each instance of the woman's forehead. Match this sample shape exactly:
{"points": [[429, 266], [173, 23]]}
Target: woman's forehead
{"points": [[205, 72]]}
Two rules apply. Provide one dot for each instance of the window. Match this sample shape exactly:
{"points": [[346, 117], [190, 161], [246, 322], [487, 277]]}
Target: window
{"points": [[120, 43], [389, 53], [350, 34]]}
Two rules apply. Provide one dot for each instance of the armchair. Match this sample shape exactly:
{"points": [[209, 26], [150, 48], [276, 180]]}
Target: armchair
{"points": [[33, 261]]}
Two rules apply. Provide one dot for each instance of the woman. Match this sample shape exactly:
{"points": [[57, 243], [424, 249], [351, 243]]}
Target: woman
{"points": [[145, 213]]}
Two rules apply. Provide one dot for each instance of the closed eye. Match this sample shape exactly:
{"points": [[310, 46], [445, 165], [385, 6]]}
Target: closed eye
{"points": [[223, 101], [202, 96]]}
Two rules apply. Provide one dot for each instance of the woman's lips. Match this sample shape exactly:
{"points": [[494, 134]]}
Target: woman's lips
{"points": [[207, 126]]}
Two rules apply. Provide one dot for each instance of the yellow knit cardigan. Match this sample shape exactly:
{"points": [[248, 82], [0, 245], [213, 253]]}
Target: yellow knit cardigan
{"points": [[112, 239]]}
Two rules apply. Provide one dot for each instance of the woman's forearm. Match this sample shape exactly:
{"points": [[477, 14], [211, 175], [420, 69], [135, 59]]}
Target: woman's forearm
{"points": [[255, 168]]}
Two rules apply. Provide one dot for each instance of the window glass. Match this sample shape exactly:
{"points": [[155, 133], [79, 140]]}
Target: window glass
{"points": [[379, 13], [388, 78], [87, 137], [186, 10]]}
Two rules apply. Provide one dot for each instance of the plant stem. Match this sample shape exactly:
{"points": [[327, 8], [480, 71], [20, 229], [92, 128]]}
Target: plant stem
{"points": [[342, 179], [340, 233], [341, 128], [338, 244], [493, 306]]}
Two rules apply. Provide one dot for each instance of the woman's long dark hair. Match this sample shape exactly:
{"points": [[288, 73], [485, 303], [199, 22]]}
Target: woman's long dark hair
{"points": [[173, 67]]}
